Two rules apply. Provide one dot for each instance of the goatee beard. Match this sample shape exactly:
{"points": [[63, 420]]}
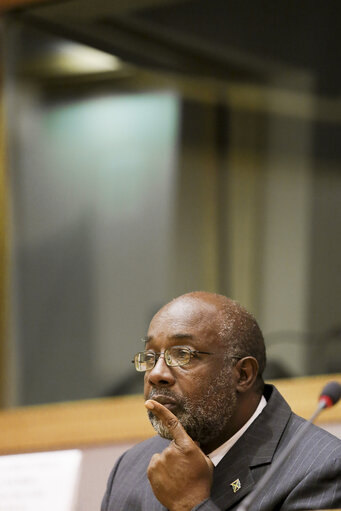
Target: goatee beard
{"points": [[204, 421]]}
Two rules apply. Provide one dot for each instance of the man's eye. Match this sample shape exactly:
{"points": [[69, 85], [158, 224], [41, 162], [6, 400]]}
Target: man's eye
{"points": [[149, 354], [181, 354]]}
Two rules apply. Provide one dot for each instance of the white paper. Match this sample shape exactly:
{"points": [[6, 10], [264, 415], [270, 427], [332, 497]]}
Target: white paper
{"points": [[45, 481]]}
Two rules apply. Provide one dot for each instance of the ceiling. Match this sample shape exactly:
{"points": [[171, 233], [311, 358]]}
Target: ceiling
{"points": [[289, 43]]}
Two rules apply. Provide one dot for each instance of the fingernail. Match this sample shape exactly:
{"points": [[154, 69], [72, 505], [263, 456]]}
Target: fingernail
{"points": [[149, 404]]}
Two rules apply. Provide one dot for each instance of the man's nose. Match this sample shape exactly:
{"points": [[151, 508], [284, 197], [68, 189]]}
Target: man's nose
{"points": [[161, 374]]}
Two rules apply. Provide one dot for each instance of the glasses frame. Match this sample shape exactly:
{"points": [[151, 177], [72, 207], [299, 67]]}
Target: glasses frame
{"points": [[192, 354]]}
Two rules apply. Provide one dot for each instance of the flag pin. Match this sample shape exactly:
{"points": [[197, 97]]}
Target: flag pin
{"points": [[236, 485]]}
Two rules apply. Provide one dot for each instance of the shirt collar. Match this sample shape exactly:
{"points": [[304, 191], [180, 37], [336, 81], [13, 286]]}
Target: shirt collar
{"points": [[220, 452]]}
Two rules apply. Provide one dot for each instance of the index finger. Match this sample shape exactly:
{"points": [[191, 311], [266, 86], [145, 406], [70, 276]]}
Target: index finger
{"points": [[171, 422]]}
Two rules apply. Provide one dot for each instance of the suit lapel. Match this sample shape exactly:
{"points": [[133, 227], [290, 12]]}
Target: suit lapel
{"points": [[256, 447], [231, 470]]}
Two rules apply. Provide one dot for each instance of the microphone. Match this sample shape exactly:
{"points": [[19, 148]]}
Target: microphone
{"points": [[330, 395]]}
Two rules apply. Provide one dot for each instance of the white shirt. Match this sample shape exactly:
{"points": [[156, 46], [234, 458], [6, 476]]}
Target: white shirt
{"points": [[219, 453]]}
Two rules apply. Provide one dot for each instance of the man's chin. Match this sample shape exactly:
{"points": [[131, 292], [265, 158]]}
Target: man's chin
{"points": [[159, 427], [164, 432]]}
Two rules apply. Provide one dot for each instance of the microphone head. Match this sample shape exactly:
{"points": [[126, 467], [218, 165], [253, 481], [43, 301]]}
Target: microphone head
{"points": [[330, 394]]}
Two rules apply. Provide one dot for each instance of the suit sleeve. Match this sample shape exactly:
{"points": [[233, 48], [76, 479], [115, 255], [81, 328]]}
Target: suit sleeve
{"points": [[105, 501], [320, 489], [206, 505]]}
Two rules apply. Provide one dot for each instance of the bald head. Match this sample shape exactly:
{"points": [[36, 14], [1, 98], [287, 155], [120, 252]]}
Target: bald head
{"points": [[224, 318]]}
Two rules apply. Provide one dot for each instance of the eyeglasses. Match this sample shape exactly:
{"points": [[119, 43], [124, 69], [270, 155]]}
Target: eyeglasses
{"points": [[174, 357]]}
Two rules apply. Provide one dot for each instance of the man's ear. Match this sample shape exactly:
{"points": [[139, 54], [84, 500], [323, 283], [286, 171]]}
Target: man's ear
{"points": [[247, 371]]}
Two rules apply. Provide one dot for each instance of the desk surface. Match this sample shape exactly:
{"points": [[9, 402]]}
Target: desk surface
{"points": [[122, 419]]}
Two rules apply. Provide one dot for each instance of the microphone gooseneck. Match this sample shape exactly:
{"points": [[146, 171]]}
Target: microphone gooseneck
{"points": [[330, 395]]}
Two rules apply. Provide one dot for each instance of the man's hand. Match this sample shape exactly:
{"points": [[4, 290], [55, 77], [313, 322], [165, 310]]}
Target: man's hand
{"points": [[181, 476]]}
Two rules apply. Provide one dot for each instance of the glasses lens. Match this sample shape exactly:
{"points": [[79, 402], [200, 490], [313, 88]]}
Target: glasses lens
{"points": [[177, 356], [144, 360]]}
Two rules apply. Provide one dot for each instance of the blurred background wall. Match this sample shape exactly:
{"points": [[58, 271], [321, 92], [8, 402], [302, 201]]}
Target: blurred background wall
{"points": [[133, 183]]}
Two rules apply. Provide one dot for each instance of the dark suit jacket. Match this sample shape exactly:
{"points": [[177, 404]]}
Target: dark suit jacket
{"points": [[309, 479]]}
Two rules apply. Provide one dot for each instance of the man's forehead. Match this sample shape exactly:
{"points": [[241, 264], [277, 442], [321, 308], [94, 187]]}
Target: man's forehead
{"points": [[185, 318]]}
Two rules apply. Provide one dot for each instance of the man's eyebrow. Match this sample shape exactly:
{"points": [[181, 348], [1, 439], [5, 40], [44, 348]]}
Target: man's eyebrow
{"points": [[179, 335]]}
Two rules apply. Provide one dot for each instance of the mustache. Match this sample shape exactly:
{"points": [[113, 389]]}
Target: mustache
{"points": [[166, 393]]}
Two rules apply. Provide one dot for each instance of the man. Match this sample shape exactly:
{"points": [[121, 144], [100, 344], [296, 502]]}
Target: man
{"points": [[219, 426]]}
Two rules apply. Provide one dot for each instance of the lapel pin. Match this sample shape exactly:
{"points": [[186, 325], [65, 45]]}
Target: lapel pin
{"points": [[236, 485]]}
